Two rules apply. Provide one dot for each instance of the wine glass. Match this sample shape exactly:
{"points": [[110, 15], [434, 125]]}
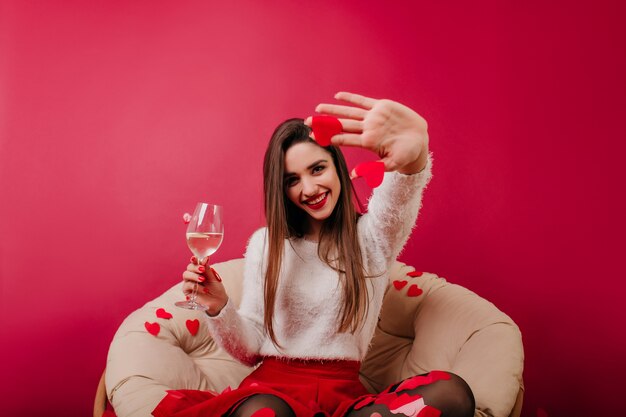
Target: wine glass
{"points": [[204, 235]]}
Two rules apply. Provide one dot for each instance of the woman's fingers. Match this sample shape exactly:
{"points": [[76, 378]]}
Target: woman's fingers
{"points": [[198, 269], [210, 276], [193, 277], [351, 126], [342, 111], [347, 139], [189, 287], [356, 99]]}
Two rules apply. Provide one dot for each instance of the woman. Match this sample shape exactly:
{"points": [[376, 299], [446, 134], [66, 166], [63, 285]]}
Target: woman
{"points": [[315, 277]]}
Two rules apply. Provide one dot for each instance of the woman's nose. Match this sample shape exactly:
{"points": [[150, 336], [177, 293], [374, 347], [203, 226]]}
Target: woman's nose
{"points": [[309, 187]]}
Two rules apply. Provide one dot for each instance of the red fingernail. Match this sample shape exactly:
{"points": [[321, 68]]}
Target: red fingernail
{"points": [[193, 260], [187, 298], [217, 276], [201, 279], [201, 268]]}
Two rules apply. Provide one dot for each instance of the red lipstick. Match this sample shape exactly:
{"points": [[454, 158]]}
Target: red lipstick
{"points": [[319, 205]]}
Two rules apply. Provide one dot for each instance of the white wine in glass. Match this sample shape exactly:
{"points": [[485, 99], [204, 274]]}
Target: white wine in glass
{"points": [[204, 236]]}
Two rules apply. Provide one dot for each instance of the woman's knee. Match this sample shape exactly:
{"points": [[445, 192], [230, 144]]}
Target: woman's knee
{"points": [[455, 397], [445, 391]]}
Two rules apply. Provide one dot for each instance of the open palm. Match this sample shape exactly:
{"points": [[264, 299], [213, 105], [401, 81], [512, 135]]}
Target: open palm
{"points": [[393, 131]]}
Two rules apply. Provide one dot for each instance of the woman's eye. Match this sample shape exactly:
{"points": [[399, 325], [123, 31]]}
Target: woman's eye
{"points": [[291, 181], [318, 168]]}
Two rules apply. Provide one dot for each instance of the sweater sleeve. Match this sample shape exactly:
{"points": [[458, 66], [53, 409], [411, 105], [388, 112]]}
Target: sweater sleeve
{"points": [[241, 332], [392, 211]]}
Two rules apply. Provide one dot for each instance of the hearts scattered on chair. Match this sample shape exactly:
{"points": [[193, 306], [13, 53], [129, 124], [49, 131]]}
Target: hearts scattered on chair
{"points": [[163, 314], [399, 284], [414, 291], [152, 328], [414, 274], [193, 326]]}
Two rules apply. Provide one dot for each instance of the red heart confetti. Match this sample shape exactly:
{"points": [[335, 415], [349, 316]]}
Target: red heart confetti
{"points": [[401, 400], [365, 401], [186, 218], [415, 274], [429, 411], [414, 291], [386, 399], [400, 284], [418, 381], [153, 328], [193, 326], [408, 405], [324, 128], [162, 314], [373, 172], [264, 412]]}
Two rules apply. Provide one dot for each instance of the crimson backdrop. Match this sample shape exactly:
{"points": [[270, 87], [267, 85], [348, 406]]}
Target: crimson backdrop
{"points": [[116, 117]]}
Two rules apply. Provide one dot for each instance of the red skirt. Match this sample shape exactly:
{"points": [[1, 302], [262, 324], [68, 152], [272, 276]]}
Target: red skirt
{"points": [[310, 387]]}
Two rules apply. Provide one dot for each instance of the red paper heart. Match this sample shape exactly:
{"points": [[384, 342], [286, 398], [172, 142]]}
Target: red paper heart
{"points": [[414, 291], [152, 328], [324, 128], [403, 399], [365, 401], [162, 314], [264, 412], [400, 284], [193, 326], [373, 172], [386, 398], [418, 381], [429, 411], [415, 274]]}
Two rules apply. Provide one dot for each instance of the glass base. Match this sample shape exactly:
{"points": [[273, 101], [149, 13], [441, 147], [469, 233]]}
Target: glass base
{"points": [[190, 305]]}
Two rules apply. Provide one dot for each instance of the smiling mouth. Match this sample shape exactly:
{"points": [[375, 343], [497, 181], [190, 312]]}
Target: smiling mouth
{"points": [[317, 202]]}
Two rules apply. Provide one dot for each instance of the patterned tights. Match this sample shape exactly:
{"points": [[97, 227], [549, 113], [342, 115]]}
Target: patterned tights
{"points": [[436, 394]]}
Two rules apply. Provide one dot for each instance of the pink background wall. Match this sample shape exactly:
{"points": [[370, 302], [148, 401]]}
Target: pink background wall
{"points": [[116, 117]]}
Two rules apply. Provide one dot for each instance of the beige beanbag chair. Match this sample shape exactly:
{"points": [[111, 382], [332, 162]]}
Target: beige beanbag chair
{"points": [[445, 327]]}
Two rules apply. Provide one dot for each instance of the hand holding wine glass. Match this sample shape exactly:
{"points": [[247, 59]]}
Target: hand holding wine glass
{"points": [[201, 283]]}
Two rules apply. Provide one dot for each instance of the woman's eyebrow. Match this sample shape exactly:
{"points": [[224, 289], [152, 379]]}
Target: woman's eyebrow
{"points": [[290, 174]]}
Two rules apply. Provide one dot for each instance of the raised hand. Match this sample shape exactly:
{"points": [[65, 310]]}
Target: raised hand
{"points": [[393, 131]]}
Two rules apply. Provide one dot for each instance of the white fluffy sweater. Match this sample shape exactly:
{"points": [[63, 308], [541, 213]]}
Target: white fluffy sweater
{"points": [[309, 296]]}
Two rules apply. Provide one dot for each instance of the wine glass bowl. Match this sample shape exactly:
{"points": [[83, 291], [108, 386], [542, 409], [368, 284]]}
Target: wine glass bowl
{"points": [[205, 233]]}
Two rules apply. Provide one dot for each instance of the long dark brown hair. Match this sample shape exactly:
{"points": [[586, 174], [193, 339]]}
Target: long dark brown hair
{"points": [[338, 241]]}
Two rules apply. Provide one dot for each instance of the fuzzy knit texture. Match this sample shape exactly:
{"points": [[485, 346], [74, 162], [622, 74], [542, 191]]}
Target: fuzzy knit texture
{"points": [[309, 296]]}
